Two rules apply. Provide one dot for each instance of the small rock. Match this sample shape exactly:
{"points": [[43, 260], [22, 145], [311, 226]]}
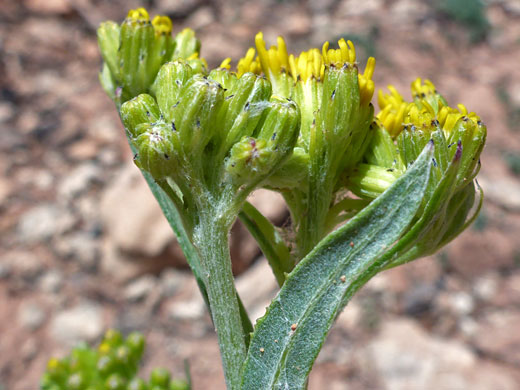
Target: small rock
{"points": [[298, 23], [5, 189], [404, 354], [78, 181], [419, 299], [51, 281], [23, 265], [256, 287], [502, 190], [29, 349], [496, 336], [201, 18], [486, 286], [462, 303], [80, 247], [133, 220], [6, 112], [405, 11], [43, 222], [49, 6], [406, 357], [186, 310], [83, 322], [468, 326], [176, 7], [5, 271], [31, 316], [171, 281], [271, 204], [356, 8], [140, 288]]}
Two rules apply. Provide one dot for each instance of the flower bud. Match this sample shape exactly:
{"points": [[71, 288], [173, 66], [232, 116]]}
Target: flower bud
{"points": [[245, 103], [186, 44], [137, 111], [177, 384], [160, 377], [157, 150], [136, 342], [195, 115], [76, 382], [115, 382], [254, 158], [137, 384], [133, 53], [171, 78]]}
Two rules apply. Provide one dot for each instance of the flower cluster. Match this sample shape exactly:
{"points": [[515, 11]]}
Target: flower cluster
{"points": [[302, 125], [113, 366]]}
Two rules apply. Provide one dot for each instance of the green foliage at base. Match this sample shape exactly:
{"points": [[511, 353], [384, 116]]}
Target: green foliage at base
{"points": [[112, 366]]}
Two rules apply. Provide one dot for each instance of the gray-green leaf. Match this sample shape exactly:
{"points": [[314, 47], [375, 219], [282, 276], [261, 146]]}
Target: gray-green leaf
{"points": [[289, 337]]}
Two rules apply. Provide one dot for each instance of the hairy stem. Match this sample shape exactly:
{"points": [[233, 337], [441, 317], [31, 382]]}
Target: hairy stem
{"points": [[211, 239]]}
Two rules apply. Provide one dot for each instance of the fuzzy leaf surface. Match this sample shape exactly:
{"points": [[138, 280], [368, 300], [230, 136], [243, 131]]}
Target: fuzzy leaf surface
{"points": [[289, 337]]}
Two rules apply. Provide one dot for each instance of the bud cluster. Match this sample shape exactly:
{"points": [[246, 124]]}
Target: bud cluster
{"points": [[401, 132], [134, 51], [302, 125], [113, 366]]}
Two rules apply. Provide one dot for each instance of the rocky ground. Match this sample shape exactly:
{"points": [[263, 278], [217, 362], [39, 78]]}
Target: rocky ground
{"points": [[83, 246]]}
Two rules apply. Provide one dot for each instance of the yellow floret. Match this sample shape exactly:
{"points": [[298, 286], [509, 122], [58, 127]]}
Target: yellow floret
{"points": [[275, 60], [337, 57], [448, 116], [249, 63], [309, 64], [162, 25], [366, 85], [420, 90], [226, 64], [138, 15]]}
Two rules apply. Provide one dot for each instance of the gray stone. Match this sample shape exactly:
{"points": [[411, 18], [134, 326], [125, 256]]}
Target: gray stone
{"points": [[5, 271], [133, 221], [140, 288], [43, 222], [486, 286], [29, 349], [497, 336], [186, 310], [407, 358], [78, 181], [83, 322], [171, 281], [256, 287], [6, 111], [462, 303], [502, 191], [51, 281], [269, 203], [419, 299], [80, 247], [31, 316], [23, 265]]}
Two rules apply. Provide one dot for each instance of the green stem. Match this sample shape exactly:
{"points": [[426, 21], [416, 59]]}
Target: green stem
{"points": [[211, 239], [269, 240]]}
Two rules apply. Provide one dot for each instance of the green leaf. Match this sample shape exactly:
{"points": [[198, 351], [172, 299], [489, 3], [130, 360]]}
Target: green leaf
{"points": [[269, 240], [289, 337]]}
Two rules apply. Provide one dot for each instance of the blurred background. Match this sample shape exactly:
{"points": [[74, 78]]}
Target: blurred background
{"points": [[84, 247]]}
